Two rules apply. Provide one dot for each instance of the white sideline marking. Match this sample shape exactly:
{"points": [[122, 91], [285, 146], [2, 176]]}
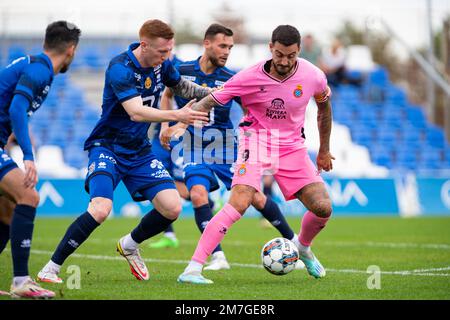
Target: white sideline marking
{"points": [[417, 272]]}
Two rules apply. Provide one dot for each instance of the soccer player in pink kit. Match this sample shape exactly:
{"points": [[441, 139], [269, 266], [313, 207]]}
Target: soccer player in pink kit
{"points": [[275, 93]]}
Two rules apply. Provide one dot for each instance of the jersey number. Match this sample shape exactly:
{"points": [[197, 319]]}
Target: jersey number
{"points": [[148, 101], [211, 117]]}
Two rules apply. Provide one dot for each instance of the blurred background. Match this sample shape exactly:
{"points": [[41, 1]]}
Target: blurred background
{"points": [[388, 62]]}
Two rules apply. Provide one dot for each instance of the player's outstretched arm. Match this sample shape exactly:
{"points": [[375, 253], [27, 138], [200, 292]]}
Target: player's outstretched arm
{"points": [[324, 122], [190, 90], [140, 113], [205, 105]]}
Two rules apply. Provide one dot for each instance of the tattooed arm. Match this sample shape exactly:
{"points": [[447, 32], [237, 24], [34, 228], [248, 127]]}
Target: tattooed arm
{"points": [[324, 121], [190, 90]]}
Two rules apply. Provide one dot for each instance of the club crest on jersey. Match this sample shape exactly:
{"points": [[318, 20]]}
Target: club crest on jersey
{"points": [[298, 91], [204, 85], [148, 83], [242, 170]]}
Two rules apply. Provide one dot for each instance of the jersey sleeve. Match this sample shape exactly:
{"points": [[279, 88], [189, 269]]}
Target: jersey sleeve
{"points": [[231, 89], [32, 81], [170, 76], [19, 121], [323, 91], [122, 82]]}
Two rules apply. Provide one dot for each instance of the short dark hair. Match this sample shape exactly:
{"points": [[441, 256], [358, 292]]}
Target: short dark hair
{"points": [[286, 35], [59, 35], [216, 28], [155, 28]]}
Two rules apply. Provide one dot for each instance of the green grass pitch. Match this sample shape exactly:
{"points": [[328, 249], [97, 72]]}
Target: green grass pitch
{"points": [[413, 255]]}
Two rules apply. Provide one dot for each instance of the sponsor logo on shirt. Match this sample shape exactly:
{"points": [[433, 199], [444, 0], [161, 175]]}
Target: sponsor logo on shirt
{"points": [[219, 83], [190, 78], [276, 109]]}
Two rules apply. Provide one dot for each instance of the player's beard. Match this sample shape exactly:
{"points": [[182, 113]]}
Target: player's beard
{"points": [[216, 62], [64, 69], [283, 70]]}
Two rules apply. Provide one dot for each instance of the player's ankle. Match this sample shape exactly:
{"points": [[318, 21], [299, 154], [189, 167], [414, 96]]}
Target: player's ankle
{"points": [[193, 268], [52, 267], [218, 254]]}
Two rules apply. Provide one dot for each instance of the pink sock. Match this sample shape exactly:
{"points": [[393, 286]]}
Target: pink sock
{"points": [[311, 226], [214, 232]]}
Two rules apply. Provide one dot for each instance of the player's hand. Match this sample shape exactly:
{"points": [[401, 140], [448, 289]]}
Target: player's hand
{"points": [[189, 116], [31, 177], [167, 134], [324, 161]]}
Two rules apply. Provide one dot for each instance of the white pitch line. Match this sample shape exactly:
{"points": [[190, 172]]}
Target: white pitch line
{"points": [[418, 272], [237, 243]]}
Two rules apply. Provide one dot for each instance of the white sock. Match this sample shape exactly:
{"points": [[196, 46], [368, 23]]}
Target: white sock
{"points": [[194, 268], [128, 243], [52, 267], [19, 281], [170, 235], [218, 254], [295, 241], [304, 249]]}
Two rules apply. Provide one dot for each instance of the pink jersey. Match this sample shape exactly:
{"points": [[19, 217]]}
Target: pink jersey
{"points": [[277, 106]]}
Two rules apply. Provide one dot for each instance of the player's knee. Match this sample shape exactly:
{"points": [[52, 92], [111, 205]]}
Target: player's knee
{"points": [[199, 196], [29, 197], [171, 210], [100, 209], [323, 208], [259, 201]]}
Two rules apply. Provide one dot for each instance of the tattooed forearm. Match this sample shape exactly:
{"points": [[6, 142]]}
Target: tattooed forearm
{"points": [[206, 104], [189, 90], [324, 121]]}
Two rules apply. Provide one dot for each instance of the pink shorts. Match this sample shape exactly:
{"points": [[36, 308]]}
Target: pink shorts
{"points": [[292, 168]]}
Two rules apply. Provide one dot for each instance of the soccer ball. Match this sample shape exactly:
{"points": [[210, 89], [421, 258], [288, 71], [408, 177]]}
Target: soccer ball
{"points": [[279, 256]]}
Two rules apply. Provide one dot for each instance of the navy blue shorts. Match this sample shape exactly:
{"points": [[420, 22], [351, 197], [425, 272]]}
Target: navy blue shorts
{"points": [[204, 163], [6, 163], [138, 173]]}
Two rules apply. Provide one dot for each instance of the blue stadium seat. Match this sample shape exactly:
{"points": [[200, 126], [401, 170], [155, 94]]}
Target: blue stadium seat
{"points": [[14, 52], [435, 136], [415, 116]]}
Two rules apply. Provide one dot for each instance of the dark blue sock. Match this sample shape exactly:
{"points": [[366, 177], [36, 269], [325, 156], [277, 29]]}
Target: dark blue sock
{"points": [[267, 190], [151, 224], [21, 234], [202, 216], [211, 203], [4, 235], [75, 235], [169, 228], [272, 212]]}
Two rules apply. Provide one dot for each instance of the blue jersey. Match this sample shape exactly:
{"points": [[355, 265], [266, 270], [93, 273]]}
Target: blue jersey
{"points": [[29, 76], [126, 79], [219, 115]]}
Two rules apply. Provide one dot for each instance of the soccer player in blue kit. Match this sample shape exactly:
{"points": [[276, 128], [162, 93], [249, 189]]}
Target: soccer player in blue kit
{"points": [[24, 85], [119, 148], [201, 170]]}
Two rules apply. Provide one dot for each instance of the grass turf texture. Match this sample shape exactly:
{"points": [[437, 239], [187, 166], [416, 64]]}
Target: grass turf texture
{"points": [[346, 248]]}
